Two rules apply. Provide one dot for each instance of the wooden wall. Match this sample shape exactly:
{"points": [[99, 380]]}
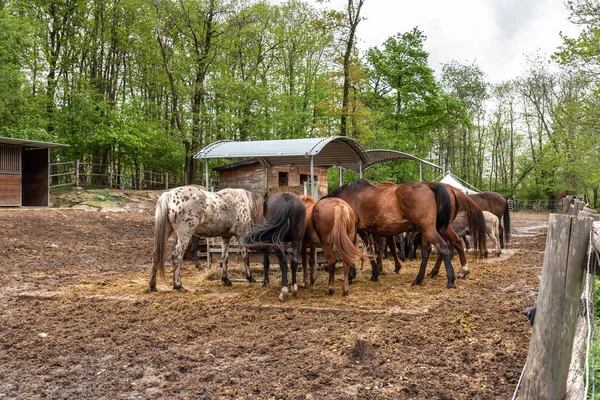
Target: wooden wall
{"points": [[252, 177], [249, 177], [10, 189]]}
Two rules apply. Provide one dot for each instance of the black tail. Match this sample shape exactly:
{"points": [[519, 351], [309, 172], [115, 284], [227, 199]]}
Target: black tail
{"points": [[444, 204], [506, 225], [271, 232]]}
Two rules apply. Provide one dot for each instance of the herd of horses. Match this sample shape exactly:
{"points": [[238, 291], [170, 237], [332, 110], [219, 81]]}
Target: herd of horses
{"points": [[289, 224]]}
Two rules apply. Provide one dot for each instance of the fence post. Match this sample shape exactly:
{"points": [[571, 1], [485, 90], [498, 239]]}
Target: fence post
{"points": [[110, 175], [166, 181], [140, 178], [77, 173], [545, 376]]}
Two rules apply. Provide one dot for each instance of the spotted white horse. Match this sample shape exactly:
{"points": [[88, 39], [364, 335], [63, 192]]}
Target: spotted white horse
{"points": [[188, 210]]}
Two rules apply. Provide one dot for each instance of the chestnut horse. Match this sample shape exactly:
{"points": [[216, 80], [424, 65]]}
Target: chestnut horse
{"points": [[390, 209], [284, 220], [190, 211], [332, 225], [497, 205]]}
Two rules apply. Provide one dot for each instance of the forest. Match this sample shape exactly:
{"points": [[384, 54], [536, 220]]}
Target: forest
{"points": [[150, 82]]}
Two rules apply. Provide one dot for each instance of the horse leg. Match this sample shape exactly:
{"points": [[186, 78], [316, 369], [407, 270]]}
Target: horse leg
{"points": [[501, 228], [467, 245], [304, 264], [284, 279], [454, 241], [296, 245], [183, 240], [331, 259], [266, 263], [225, 260], [246, 260], [432, 236], [313, 265], [425, 252], [392, 244], [195, 242]]}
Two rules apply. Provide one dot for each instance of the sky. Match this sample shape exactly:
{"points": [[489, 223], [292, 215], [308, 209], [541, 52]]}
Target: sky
{"points": [[495, 34]]}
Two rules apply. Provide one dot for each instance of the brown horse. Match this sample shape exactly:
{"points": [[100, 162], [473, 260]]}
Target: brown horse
{"points": [[497, 205], [335, 224], [390, 209]]}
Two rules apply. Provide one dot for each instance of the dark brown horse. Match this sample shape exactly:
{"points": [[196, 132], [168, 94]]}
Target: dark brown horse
{"points": [[497, 205], [284, 220], [335, 224], [390, 209]]}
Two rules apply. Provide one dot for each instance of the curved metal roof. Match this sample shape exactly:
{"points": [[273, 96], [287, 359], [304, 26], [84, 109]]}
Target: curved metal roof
{"points": [[337, 150], [379, 156]]}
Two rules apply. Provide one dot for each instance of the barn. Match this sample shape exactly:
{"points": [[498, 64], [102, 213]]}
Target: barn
{"points": [[24, 172], [251, 175]]}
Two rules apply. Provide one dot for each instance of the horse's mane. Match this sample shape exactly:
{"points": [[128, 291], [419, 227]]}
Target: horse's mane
{"points": [[351, 188]]}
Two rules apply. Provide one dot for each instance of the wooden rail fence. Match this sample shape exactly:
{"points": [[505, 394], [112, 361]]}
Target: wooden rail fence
{"points": [[555, 357]]}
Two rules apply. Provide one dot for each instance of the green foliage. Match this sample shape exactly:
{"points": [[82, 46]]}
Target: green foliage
{"points": [[94, 75]]}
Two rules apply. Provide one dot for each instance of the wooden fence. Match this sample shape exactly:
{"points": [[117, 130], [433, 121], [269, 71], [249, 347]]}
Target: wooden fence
{"points": [[81, 174], [556, 357]]}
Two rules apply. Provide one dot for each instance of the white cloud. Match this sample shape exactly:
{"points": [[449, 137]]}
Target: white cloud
{"points": [[496, 34]]}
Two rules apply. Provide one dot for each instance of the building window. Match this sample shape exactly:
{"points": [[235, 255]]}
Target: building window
{"points": [[283, 179], [304, 178]]}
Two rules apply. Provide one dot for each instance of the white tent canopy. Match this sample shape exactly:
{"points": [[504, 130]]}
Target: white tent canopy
{"points": [[453, 180]]}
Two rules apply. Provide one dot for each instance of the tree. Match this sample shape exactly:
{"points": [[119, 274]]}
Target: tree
{"points": [[353, 18]]}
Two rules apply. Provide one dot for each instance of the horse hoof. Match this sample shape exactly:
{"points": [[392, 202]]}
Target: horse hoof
{"points": [[432, 275], [181, 289], [294, 290], [416, 283], [226, 282], [330, 291], [374, 279], [284, 292], [349, 281], [264, 284], [250, 279], [345, 293], [450, 285], [152, 289]]}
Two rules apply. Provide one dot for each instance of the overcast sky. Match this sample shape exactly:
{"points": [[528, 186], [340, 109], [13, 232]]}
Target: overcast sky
{"points": [[496, 34]]}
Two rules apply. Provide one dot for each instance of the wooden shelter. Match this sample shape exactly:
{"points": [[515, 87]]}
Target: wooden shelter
{"points": [[24, 172], [252, 175]]}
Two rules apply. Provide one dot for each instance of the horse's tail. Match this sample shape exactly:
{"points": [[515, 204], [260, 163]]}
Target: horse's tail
{"points": [[506, 225], [443, 201], [341, 235], [475, 220], [162, 230], [270, 233]]}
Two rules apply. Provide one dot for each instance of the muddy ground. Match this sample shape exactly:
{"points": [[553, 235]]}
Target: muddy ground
{"points": [[77, 322]]}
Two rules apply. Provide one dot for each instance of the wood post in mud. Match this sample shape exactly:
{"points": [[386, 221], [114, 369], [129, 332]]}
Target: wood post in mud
{"points": [[549, 356]]}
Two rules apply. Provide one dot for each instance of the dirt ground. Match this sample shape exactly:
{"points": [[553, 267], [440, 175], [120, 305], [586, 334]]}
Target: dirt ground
{"points": [[77, 322]]}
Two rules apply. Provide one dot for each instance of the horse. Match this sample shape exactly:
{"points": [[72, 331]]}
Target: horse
{"points": [[334, 223], [188, 210], [497, 205], [284, 220], [461, 227], [390, 209]]}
